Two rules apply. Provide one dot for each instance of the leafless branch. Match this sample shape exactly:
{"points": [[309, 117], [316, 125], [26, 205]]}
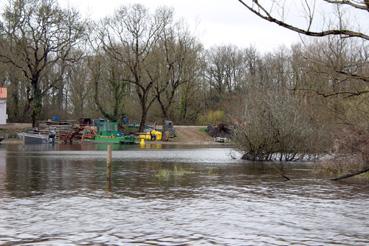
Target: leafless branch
{"points": [[363, 5], [260, 11]]}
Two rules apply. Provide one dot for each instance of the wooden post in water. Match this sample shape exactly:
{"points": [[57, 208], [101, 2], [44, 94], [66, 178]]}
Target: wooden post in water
{"points": [[109, 159]]}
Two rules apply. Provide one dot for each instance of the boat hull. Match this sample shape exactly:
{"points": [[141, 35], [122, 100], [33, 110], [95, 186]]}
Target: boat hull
{"points": [[114, 140], [33, 138]]}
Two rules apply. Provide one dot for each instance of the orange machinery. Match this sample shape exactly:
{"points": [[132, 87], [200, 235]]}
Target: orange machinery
{"points": [[3, 93]]}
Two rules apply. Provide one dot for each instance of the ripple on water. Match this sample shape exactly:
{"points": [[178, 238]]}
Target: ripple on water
{"points": [[214, 216], [65, 200]]}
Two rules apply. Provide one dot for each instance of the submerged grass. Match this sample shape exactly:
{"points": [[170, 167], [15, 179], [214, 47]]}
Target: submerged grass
{"points": [[212, 172], [166, 174], [341, 166]]}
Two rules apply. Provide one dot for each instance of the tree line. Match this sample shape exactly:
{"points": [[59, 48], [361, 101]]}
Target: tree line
{"points": [[53, 62], [145, 64]]}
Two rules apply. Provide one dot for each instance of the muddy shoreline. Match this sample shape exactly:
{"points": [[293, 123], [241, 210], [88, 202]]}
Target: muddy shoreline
{"points": [[186, 135]]}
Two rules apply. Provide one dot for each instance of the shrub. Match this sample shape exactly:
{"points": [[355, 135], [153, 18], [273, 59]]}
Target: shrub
{"points": [[277, 126], [350, 153], [212, 117]]}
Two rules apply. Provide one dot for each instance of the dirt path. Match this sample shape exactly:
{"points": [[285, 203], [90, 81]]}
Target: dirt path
{"points": [[192, 135]]}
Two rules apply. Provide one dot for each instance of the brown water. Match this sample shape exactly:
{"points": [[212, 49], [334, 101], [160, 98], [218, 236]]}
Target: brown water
{"points": [[60, 196]]}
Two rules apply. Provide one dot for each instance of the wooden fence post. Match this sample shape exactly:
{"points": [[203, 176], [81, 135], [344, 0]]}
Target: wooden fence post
{"points": [[109, 162]]}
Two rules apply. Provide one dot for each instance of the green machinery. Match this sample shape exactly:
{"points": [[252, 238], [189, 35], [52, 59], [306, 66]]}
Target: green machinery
{"points": [[107, 132]]}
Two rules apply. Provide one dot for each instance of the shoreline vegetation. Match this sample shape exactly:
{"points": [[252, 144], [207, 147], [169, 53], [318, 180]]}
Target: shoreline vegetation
{"points": [[330, 166]]}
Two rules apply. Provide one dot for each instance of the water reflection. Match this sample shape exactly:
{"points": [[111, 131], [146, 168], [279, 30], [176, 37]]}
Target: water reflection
{"points": [[2, 171], [28, 176], [60, 195]]}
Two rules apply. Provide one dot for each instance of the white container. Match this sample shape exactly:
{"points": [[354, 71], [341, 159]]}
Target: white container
{"points": [[3, 115]]}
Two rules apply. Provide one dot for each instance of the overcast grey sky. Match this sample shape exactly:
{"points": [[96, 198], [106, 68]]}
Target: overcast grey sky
{"points": [[214, 22]]}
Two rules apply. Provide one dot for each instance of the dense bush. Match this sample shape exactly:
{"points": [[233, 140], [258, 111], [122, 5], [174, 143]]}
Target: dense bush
{"points": [[278, 126]]}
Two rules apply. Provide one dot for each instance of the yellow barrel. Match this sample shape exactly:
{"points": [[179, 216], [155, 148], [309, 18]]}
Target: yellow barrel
{"points": [[158, 135], [145, 136]]}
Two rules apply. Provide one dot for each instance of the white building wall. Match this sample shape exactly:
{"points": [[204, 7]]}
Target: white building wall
{"points": [[3, 115]]}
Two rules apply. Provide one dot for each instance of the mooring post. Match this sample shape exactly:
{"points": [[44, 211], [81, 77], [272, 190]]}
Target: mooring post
{"points": [[108, 162]]}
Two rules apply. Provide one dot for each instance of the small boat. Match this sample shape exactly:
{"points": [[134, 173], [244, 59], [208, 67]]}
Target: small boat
{"points": [[33, 138]]}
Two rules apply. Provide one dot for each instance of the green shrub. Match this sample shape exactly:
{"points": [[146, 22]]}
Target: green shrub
{"points": [[212, 117]]}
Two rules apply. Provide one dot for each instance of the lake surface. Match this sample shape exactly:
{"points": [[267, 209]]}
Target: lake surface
{"points": [[171, 196]]}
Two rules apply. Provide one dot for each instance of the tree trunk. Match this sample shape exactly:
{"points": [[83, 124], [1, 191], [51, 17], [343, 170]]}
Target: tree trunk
{"points": [[15, 97], [98, 104], [36, 102], [60, 98], [143, 119], [143, 97], [184, 108], [164, 110]]}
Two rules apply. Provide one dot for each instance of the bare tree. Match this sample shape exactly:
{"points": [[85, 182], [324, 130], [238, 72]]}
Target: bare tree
{"points": [[130, 37], [80, 88], [225, 71], [107, 80], [39, 35], [177, 57], [336, 24]]}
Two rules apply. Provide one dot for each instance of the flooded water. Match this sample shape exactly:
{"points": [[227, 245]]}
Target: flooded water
{"points": [[171, 196]]}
